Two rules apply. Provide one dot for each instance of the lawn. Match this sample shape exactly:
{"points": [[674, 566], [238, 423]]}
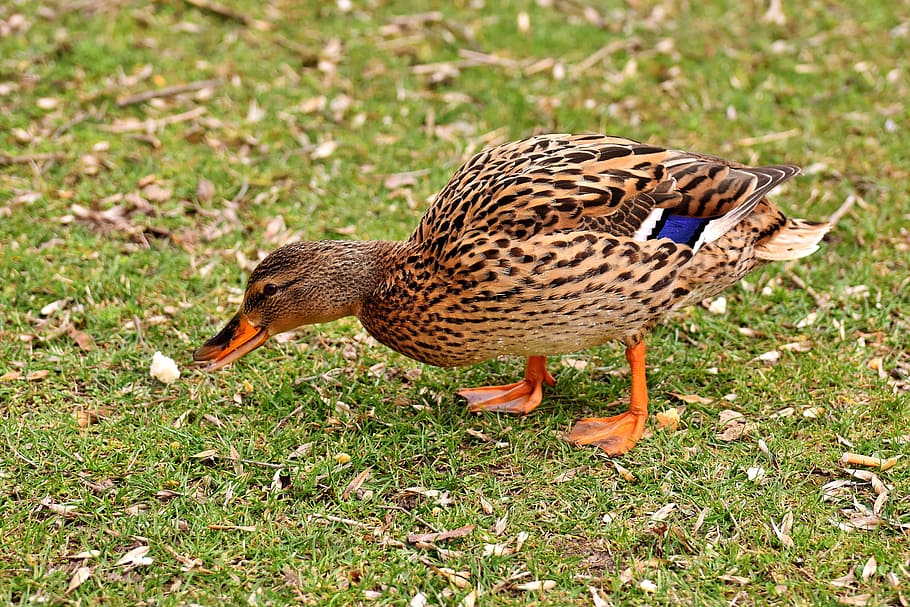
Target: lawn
{"points": [[152, 152]]}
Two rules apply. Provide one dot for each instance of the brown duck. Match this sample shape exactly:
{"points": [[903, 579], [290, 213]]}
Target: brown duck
{"points": [[539, 247]]}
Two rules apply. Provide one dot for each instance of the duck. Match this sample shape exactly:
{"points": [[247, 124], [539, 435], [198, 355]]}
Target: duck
{"points": [[540, 247]]}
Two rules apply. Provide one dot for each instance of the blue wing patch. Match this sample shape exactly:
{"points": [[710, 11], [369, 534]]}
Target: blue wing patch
{"points": [[681, 229]]}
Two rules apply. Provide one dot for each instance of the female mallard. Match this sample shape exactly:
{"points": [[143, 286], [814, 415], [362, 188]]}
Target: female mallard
{"points": [[538, 247]]}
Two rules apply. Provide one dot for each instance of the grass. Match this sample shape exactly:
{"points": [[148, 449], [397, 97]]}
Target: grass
{"points": [[242, 484]]}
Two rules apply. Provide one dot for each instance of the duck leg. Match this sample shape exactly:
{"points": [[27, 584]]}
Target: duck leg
{"points": [[617, 434], [521, 397]]}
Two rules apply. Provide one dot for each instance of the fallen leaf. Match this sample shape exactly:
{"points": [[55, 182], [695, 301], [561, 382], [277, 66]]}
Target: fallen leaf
{"points": [[783, 531], [869, 568], [82, 339], [663, 512], [693, 398], [155, 193], [470, 599], [648, 586], [668, 419], [598, 597], [440, 536], [136, 556], [79, 577], [418, 600], [500, 527], [533, 585], [355, 483], [859, 599], [845, 581], [855, 459], [624, 472], [205, 190], [460, 579]]}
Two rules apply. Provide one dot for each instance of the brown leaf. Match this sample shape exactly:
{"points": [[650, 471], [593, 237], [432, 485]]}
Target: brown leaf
{"points": [[460, 579], [205, 190], [136, 556], [440, 536], [155, 193], [858, 599], [668, 419], [79, 577], [355, 484], [693, 398], [82, 339]]}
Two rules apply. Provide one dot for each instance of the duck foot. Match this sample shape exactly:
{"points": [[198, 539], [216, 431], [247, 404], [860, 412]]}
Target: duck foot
{"points": [[519, 398], [615, 435]]}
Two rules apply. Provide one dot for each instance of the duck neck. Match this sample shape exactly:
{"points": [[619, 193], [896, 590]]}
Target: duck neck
{"points": [[368, 265]]}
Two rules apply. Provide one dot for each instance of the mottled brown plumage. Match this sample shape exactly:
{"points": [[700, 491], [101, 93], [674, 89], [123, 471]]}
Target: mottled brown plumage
{"points": [[538, 247]]}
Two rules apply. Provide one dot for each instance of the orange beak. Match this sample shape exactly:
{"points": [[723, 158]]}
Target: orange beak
{"points": [[234, 341]]}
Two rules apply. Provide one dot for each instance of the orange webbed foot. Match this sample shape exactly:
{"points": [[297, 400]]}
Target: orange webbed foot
{"points": [[615, 435], [519, 398]]}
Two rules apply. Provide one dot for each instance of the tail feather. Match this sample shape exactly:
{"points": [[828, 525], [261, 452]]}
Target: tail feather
{"points": [[797, 238]]}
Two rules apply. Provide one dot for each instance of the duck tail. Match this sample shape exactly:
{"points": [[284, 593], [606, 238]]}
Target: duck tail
{"points": [[797, 238]]}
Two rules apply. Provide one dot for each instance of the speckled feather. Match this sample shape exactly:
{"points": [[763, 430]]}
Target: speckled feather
{"points": [[531, 248]]}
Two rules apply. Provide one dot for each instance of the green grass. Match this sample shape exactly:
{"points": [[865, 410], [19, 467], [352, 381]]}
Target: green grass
{"points": [[96, 455]]}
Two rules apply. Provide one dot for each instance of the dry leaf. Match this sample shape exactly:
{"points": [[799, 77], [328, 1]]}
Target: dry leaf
{"points": [[460, 579], [323, 150], [783, 531], [693, 398], [418, 600], [533, 585], [82, 339], [859, 599], [669, 419], [135, 557], [624, 472], [440, 536], [598, 597], [79, 577], [755, 474], [768, 357], [855, 459], [500, 527], [664, 512], [205, 190], [155, 193], [217, 527], [733, 425], [470, 599], [61, 509], [355, 484], [844, 582]]}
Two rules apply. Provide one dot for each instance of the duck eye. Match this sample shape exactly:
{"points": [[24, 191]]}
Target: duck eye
{"points": [[270, 289]]}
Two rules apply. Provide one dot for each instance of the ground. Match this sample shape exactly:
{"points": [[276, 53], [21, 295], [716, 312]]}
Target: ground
{"points": [[311, 471]]}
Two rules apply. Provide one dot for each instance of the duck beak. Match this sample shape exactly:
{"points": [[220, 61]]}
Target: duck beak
{"points": [[235, 340]]}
